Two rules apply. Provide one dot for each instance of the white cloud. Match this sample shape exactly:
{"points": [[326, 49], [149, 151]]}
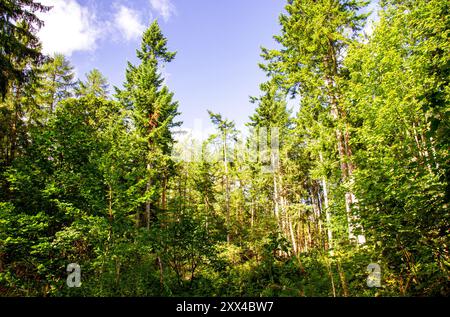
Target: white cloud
{"points": [[69, 27], [165, 8], [129, 23]]}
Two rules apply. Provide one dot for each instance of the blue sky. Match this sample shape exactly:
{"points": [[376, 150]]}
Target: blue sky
{"points": [[218, 44]]}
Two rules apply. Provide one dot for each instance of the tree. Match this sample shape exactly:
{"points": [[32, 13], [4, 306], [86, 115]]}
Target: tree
{"points": [[19, 106], [153, 112], [396, 101], [62, 206], [272, 123], [19, 24], [315, 35], [227, 132], [93, 180], [96, 84], [58, 81]]}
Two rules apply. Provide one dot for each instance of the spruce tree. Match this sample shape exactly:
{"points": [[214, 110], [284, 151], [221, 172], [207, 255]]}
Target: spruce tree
{"points": [[58, 81], [152, 114], [96, 85], [314, 38], [19, 43]]}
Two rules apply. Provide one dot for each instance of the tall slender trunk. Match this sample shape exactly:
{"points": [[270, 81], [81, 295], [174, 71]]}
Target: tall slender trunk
{"points": [[227, 187], [276, 194], [148, 203], [343, 280], [275, 200], [14, 124], [283, 207], [53, 92], [110, 212], [307, 236], [330, 273], [346, 168], [252, 211], [291, 230], [13, 139], [327, 214], [316, 211], [300, 245], [327, 210], [206, 202], [164, 194], [344, 171], [161, 274], [344, 150]]}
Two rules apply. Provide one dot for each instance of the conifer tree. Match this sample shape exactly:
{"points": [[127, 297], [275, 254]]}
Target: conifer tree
{"points": [[18, 24], [96, 85], [58, 81], [315, 35], [227, 132], [152, 113]]}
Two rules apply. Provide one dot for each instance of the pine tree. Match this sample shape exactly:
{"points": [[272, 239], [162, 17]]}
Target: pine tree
{"points": [[227, 132], [96, 85], [19, 44], [19, 106], [58, 81], [153, 113], [315, 35], [271, 123]]}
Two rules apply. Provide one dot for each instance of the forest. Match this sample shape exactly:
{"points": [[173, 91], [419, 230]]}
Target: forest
{"points": [[348, 196]]}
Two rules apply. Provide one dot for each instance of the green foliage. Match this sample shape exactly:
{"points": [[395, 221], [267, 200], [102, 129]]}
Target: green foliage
{"points": [[88, 180], [96, 85], [20, 45], [57, 83], [402, 164]]}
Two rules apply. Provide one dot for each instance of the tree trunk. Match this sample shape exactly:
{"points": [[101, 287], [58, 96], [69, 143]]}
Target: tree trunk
{"points": [[275, 200], [344, 150], [14, 124], [294, 243], [110, 212], [330, 273], [227, 187], [148, 203], [164, 193], [252, 211], [327, 214], [161, 274], [327, 210], [343, 281], [346, 169]]}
